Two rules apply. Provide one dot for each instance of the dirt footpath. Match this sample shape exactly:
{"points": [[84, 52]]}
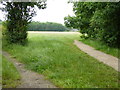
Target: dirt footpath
{"points": [[29, 79], [102, 57]]}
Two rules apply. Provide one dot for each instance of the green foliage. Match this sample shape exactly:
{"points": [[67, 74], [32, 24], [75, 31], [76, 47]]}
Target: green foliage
{"points": [[71, 22], [48, 26], [106, 22], [55, 56], [100, 20], [96, 24], [10, 76], [111, 17], [19, 14]]}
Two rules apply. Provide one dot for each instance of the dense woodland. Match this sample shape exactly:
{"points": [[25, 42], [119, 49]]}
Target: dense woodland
{"points": [[48, 26], [97, 21]]}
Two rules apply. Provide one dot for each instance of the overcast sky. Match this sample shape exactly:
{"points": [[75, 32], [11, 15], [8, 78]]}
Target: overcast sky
{"points": [[55, 12]]}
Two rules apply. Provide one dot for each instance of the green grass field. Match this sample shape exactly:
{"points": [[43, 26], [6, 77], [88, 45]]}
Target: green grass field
{"points": [[55, 56], [101, 46], [0, 55], [10, 76], [0, 70]]}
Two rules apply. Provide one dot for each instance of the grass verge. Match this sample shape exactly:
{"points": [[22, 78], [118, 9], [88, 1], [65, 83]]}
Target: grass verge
{"points": [[0, 70], [55, 56], [10, 76], [102, 47], [0, 56]]}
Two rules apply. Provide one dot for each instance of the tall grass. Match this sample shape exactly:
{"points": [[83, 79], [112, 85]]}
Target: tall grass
{"points": [[55, 56], [0, 55], [10, 76], [0, 70]]}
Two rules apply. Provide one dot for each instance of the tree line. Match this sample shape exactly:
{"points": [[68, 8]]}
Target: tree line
{"points": [[99, 20], [48, 26]]}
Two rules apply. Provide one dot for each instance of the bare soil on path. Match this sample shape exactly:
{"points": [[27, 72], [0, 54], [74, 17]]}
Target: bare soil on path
{"points": [[102, 57], [29, 79]]}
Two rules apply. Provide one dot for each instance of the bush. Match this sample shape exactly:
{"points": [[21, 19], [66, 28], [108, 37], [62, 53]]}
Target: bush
{"points": [[19, 15], [84, 36], [100, 20], [14, 32]]}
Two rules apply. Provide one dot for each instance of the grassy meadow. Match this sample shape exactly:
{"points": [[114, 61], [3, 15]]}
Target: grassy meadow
{"points": [[0, 70], [10, 76], [55, 56], [0, 55]]}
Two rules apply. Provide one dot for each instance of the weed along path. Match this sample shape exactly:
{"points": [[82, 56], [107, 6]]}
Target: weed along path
{"points": [[105, 58], [29, 79]]}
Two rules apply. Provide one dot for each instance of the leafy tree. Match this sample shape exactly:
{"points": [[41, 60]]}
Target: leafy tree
{"points": [[106, 22], [100, 20], [19, 15], [71, 22]]}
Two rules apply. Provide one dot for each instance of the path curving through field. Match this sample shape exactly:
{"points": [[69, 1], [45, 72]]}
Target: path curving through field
{"points": [[29, 79], [102, 57]]}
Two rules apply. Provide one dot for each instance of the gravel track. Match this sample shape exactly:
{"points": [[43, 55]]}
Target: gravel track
{"points": [[102, 57]]}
